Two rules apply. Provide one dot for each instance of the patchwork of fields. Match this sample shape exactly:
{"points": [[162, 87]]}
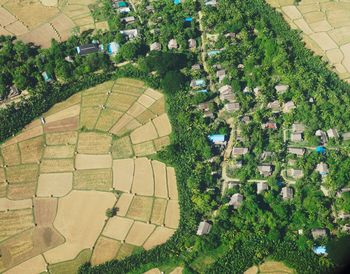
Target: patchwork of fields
{"points": [[58, 178], [325, 26], [39, 21]]}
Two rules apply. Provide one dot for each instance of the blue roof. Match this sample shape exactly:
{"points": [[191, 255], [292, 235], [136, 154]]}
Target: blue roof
{"points": [[122, 4], [320, 250], [177, 2], [46, 76], [217, 137], [188, 19], [213, 52], [113, 48], [202, 91], [320, 149]]}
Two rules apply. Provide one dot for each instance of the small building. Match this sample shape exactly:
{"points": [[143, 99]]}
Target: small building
{"points": [[297, 151], [203, 228], [280, 89], [124, 10], [196, 67], [269, 125], [218, 139], [275, 106], [287, 193], [236, 200], [246, 119], [345, 136], [322, 135], [130, 33], [155, 46], [296, 137], [172, 44], [42, 120], [69, 59], [320, 149], [265, 170], [318, 233], [332, 133], [212, 3], [128, 19], [230, 35], [295, 173], [150, 8], [203, 106], [192, 44], [212, 53], [322, 168], [176, 2], [121, 4], [113, 48], [225, 89], [288, 107], [47, 77], [198, 83], [238, 151], [256, 91], [247, 90], [221, 74], [230, 107], [298, 128], [320, 250], [13, 91], [261, 186], [87, 49]]}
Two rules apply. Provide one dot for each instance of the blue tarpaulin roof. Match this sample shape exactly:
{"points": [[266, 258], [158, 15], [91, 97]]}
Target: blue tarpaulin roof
{"points": [[217, 137], [122, 4], [177, 2], [320, 149], [320, 250], [113, 48], [188, 19]]}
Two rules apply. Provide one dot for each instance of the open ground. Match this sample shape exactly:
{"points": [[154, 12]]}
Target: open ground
{"points": [[58, 178]]}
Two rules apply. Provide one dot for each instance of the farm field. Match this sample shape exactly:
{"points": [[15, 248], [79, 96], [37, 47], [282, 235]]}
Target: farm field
{"points": [[325, 27], [59, 178], [270, 267], [39, 21]]}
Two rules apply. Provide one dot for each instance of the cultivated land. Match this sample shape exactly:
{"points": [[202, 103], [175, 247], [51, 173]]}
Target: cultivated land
{"points": [[39, 21], [58, 179], [325, 27]]}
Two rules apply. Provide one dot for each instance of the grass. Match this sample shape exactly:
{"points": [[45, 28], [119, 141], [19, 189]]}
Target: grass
{"points": [[71, 267], [204, 261]]}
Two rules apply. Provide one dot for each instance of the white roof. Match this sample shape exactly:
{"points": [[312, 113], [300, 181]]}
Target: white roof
{"points": [[203, 228]]}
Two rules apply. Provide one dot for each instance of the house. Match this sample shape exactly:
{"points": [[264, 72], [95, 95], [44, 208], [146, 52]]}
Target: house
{"points": [[280, 89], [275, 106], [320, 250], [322, 168], [212, 53], [225, 89], [345, 136], [246, 119], [69, 59], [87, 49], [256, 91], [265, 170], [208, 114], [128, 19], [172, 44], [265, 155], [332, 133], [221, 74], [192, 44], [287, 193], [261, 186], [203, 228], [196, 67], [230, 35], [155, 46], [240, 66], [197, 83], [130, 33], [150, 8], [236, 200], [318, 233], [217, 139], [298, 128], [322, 135], [212, 3], [203, 106], [297, 151], [124, 10], [288, 107], [47, 77], [296, 137], [201, 91], [237, 151], [269, 125], [295, 173], [113, 48], [121, 4], [176, 2], [230, 107], [13, 92]]}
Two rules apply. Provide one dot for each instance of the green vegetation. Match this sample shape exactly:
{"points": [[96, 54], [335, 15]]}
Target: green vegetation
{"points": [[71, 267]]}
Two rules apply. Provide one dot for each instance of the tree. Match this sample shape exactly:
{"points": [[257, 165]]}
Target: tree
{"points": [[111, 212], [173, 81]]}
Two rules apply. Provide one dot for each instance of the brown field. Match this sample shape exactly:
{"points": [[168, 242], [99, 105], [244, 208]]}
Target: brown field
{"points": [[146, 101], [105, 250], [15, 221], [45, 210], [160, 179], [177, 270], [120, 102], [67, 124], [31, 150], [117, 228], [153, 93], [40, 35], [144, 149], [269, 267], [11, 155], [162, 124], [21, 191], [136, 109], [61, 138], [84, 161], [153, 271], [22, 173], [130, 82], [172, 187], [123, 203], [71, 266], [93, 179], [123, 172], [99, 89], [6, 204], [68, 112], [121, 148], [26, 134], [143, 183], [88, 117], [139, 233], [140, 208], [172, 215], [74, 220], [107, 119], [124, 125], [125, 250], [161, 142], [54, 184], [34, 265], [95, 100], [94, 143], [63, 24], [145, 116], [158, 237], [56, 165], [158, 107], [2, 189], [144, 133], [158, 212], [74, 100], [56, 152], [127, 90]]}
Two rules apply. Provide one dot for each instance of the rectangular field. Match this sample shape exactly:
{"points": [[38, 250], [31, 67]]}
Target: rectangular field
{"points": [[11, 155], [123, 173], [56, 165], [158, 212], [31, 150], [61, 138], [21, 191], [57, 152], [94, 143], [95, 179], [140, 208], [122, 148], [22, 173], [105, 250], [144, 149], [88, 117], [143, 183], [107, 119]]}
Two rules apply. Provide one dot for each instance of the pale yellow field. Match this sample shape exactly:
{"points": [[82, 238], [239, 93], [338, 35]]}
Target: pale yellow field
{"points": [[143, 177], [123, 203], [158, 212], [172, 215], [85, 161], [94, 143], [89, 116], [61, 138], [138, 233], [6, 204], [158, 237], [123, 173], [144, 149], [56, 165], [93, 179], [162, 124], [56, 152], [144, 133], [172, 187], [117, 228], [105, 250], [55, 184], [140, 208], [160, 179], [34, 265]]}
